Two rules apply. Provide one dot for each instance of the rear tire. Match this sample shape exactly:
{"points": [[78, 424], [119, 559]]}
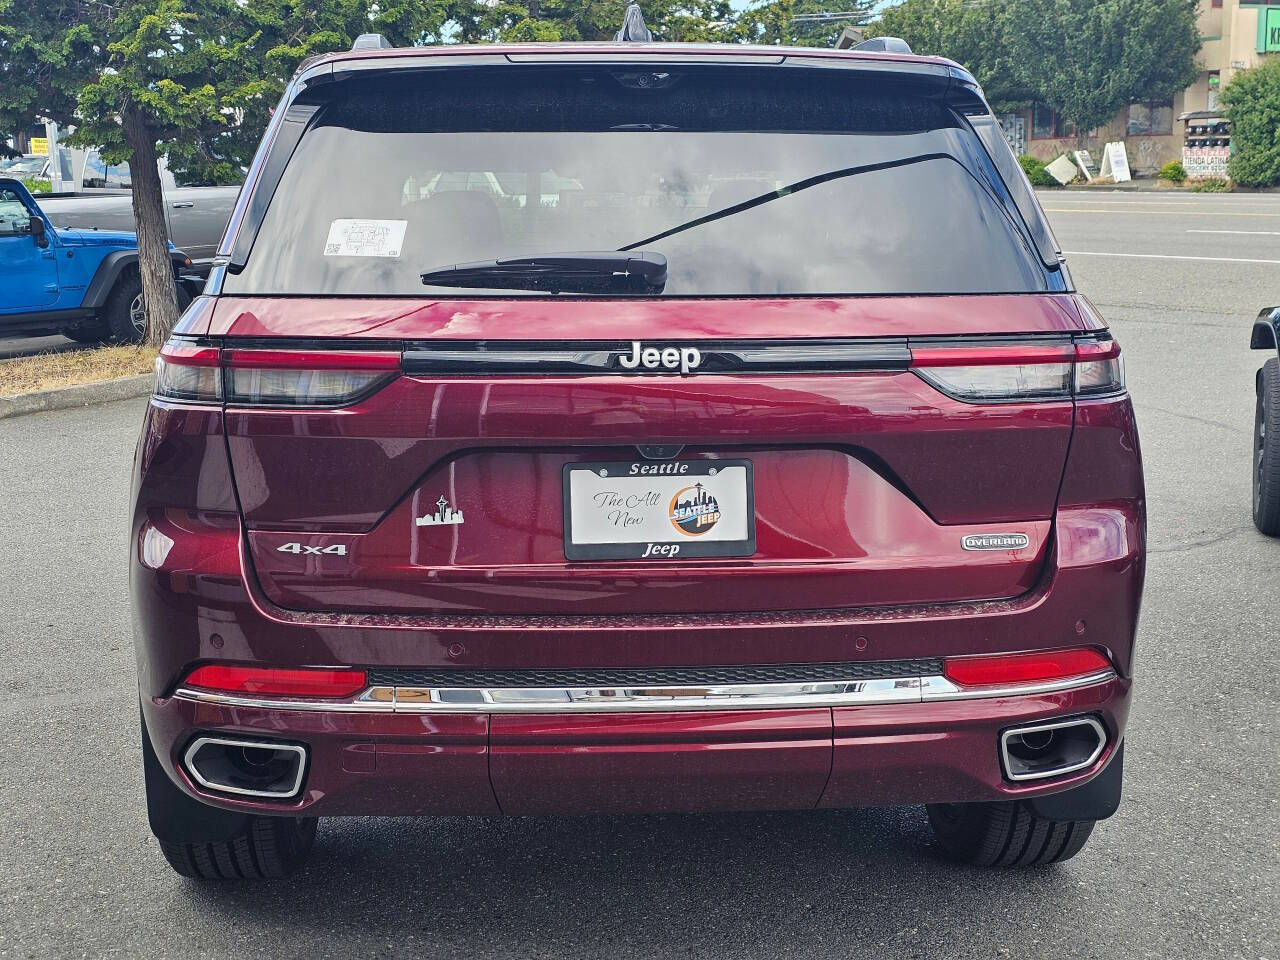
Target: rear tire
{"points": [[123, 309], [270, 848], [1005, 834], [209, 843], [1266, 451]]}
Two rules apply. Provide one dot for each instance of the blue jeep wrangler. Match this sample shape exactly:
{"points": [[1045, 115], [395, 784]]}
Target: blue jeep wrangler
{"points": [[83, 284]]}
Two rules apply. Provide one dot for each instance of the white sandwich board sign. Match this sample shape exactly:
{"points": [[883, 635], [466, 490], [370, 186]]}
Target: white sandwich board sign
{"points": [[1115, 162], [1085, 162]]}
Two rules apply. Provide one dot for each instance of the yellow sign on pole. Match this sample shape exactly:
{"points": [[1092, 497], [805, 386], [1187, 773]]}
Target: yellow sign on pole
{"points": [[40, 145]]}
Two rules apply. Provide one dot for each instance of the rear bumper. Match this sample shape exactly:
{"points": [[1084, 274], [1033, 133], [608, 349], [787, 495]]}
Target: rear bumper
{"points": [[429, 748], [384, 762], [195, 600]]}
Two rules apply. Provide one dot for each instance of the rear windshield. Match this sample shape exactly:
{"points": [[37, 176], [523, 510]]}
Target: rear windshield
{"points": [[747, 185]]}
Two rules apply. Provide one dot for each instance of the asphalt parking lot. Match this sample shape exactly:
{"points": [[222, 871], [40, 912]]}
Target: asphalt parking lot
{"points": [[1190, 867]]}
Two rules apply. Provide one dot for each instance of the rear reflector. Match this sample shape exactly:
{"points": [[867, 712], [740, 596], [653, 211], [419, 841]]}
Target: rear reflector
{"points": [[1040, 666], [278, 682]]}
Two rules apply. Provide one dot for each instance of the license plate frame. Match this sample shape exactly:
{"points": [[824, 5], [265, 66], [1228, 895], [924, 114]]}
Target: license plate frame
{"points": [[677, 473]]}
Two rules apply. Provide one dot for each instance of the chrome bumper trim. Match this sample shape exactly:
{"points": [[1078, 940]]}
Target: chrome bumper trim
{"points": [[756, 696]]}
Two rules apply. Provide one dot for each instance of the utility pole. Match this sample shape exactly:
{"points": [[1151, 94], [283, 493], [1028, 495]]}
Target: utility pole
{"points": [[55, 164]]}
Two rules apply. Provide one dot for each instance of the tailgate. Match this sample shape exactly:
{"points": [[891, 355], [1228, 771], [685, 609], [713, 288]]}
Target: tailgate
{"points": [[444, 491]]}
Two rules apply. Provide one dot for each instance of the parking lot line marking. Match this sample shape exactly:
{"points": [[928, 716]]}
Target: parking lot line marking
{"points": [[1163, 256], [1187, 202], [1250, 233], [1184, 213]]}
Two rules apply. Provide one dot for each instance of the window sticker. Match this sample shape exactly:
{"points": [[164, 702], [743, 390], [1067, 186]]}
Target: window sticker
{"points": [[365, 238]]}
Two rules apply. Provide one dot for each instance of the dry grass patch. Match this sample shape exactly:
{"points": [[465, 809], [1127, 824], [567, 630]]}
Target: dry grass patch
{"points": [[48, 371]]}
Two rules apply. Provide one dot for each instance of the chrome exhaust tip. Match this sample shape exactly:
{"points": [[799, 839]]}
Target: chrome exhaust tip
{"points": [[1051, 749], [250, 768]]}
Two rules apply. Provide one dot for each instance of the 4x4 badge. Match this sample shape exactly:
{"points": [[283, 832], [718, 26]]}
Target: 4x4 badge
{"points": [[995, 541], [445, 514]]}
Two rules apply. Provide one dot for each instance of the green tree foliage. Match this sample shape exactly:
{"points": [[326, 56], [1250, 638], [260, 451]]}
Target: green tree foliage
{"points": [[773, 21], [1088, 58], [193, 81], [1252, 100], [1084, 58], [966, 31], [43, 47], [680, 21], [477, 21]]}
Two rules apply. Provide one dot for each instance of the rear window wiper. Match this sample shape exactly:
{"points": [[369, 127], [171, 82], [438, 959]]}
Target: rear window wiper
{"points": [[587, 271], [789, 190]]}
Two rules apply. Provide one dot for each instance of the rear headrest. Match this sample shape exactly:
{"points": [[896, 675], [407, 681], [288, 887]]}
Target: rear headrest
{"points": [[454, 226]]}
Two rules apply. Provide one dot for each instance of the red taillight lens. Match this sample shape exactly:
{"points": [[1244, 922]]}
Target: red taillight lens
{"points": [[186, 370], [1040, 666], [985, 372], [278, 682], [306, 377]]}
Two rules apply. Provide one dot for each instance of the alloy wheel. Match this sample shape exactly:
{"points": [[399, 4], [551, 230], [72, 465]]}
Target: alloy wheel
{"points": [[138, 315]]}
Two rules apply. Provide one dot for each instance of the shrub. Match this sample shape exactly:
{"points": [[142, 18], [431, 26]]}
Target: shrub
{"points": [[37, 184], [1212, 185], [1252, 100], [1036, 173], [1173, 171]]}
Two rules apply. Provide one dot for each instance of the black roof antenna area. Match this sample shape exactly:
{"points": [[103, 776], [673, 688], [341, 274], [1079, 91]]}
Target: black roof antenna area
{"points": [[633, 27]]}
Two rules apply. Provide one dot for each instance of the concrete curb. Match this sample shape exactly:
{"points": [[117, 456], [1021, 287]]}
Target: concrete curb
{"points": [[125, 388]]}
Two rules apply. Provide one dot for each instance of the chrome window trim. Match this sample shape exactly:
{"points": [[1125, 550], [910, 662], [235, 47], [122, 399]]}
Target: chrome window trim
{"points": [[199, 742], [757, 696], [1057, 725]]}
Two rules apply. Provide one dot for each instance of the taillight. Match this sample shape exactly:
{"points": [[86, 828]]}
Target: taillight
{"points": [[981, 372], [1037, 667], [306, 377], [277, 682], [187, 370], [195, 371], [1099, 368]]}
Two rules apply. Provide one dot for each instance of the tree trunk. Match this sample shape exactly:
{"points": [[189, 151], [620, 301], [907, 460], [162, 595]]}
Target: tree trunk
{"points": [[159, 293]]}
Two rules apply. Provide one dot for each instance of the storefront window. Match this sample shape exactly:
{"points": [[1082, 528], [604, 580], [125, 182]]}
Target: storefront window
{"points": [[1150, 117], [1047, 124]]}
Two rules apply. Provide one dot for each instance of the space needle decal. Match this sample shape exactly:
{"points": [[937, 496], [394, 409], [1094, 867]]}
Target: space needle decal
{"points": [[445, 514]]}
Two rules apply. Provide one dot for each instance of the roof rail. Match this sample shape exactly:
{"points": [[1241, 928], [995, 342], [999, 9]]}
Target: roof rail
{"points": [[633, 26], [371, 41], [883, 45]]}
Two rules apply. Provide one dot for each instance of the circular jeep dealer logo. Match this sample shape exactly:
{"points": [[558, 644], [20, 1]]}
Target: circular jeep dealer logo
{"points": [[694, 511]]}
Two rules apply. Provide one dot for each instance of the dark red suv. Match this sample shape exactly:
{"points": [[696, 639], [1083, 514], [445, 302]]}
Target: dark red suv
{"points": [[635, 427]]}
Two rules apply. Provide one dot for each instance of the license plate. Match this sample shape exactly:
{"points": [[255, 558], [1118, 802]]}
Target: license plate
{"points": [[659, 510]]}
